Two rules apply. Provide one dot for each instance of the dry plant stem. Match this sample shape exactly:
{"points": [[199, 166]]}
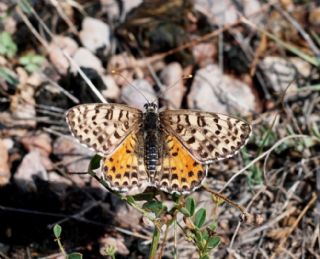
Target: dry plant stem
{"points": [[289, 47], [247, 208], [265, 154], [66, 93], [219, 195], [76, 215], [192, 43], [2, 255], [249, 233], [31, 28], [298, 27], [164, 241], [85, 78], [63, 16], [130, 233], [280, 247], [175, 241], [47, 30]]}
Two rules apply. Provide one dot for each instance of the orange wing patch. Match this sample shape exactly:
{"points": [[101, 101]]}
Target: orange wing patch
{"points": [[124, 170], [179, 172]]}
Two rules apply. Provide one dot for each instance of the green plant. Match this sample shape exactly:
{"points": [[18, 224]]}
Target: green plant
{"points": [[57, 230], [31, 62], [111, 251], [202, 235], [7, 45], [8, 76]]}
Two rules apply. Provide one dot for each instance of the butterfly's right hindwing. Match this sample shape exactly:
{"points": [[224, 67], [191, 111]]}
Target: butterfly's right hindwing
{"points": [[103, 127]]}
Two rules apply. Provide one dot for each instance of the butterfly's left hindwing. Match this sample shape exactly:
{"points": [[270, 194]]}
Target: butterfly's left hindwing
{"points": [[124, 169]]}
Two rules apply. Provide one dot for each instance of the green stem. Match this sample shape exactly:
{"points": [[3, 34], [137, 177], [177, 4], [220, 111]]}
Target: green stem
{"points": [[61, 247], [155, 243]]}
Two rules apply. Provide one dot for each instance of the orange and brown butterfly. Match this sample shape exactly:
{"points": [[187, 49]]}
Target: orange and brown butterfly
{"points": [[169, 150]]}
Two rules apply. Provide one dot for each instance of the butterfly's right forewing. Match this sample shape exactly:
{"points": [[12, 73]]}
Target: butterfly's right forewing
{"points": [[103, 127]]}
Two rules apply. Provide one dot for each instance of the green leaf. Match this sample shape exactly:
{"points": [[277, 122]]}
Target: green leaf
{"points": [[190, 205], [204, 257], [94, 163], [145, 196], [153, 206], [185, 212], [213, 226], [7, 45], [200, 217], [199, 238], [75, 256], [57, 230], [205, 234], [9, 76], [213, 242], [31, 62]]}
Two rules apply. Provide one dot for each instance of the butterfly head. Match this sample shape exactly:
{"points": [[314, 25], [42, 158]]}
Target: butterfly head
{"points": [[151, 107]]}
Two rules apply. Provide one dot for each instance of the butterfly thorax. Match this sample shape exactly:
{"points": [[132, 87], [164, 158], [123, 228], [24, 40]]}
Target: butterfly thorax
{"points": [[151, 138]]}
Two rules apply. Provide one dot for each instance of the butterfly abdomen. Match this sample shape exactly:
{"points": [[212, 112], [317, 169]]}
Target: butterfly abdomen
{"points": [[151, 140]]}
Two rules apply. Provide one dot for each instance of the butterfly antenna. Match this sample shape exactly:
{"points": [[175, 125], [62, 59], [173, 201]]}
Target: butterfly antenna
{"points": [[174, 84], [114, 72]]}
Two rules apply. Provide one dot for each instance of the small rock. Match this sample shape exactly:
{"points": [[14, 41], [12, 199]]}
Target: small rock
{"points": [[139, 95], [216, 11], [23, 103], [8, 142], [10, 25], [4, 164], [85, 58], [112, 8], [204, 53], [120, 63], [171, 76], [225, 12], [74, 156], [213, 91], [40, 141], [95, 34], [127, 216], [112, 91], [30, 166], [281, 72], [314, 18], [56, 55], [58, 183]]}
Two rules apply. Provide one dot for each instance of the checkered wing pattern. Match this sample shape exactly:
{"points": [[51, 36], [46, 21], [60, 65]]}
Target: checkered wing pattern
{"points": [[103, 127], [208, 137]]}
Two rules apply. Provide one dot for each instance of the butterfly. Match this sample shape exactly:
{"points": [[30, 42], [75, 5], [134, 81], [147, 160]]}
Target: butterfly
{"points": [[170, 150]]}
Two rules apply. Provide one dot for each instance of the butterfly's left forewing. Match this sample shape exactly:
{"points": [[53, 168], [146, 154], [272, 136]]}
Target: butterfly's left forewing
{"points": [[103, 127]]}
